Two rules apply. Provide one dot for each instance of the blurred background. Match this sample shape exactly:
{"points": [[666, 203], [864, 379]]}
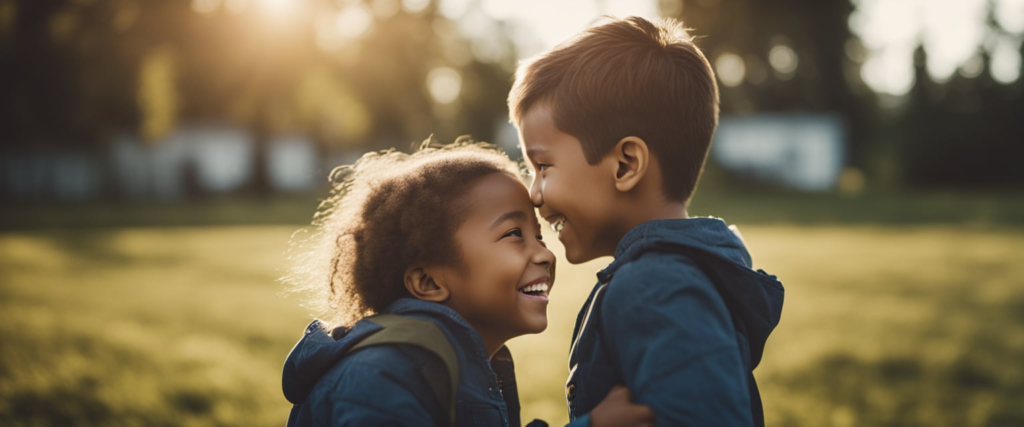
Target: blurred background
{"points": [[156, 155]]}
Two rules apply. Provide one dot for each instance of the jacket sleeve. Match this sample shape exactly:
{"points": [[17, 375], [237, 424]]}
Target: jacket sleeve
{"points": [[369, 395], [672, 337]]}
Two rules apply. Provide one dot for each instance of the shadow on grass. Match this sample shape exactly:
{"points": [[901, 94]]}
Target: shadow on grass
{"points": [[902, 391], [67, 405]]}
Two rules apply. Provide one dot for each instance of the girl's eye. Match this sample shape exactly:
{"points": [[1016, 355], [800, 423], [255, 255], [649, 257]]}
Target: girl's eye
{"points": [[515, 232], [541, 167]]}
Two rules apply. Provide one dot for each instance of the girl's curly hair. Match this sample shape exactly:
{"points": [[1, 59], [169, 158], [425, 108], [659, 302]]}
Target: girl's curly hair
{"points": [[386, 212]]}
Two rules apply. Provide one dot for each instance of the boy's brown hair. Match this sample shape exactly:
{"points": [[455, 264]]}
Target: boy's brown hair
{"points": [[628, 77]]}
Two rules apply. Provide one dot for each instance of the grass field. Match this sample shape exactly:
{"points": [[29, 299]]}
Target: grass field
{"points": [[883, 325]]}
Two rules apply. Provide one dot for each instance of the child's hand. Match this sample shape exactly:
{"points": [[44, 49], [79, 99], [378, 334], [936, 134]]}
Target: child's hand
{"points": [[618, 409]]}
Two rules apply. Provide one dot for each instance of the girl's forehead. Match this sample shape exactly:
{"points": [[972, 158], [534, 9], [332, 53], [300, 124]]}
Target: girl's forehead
{"points": [[498, 194]]}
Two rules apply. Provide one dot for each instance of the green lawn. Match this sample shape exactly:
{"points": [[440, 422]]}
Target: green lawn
{"points": [[884, 325]]}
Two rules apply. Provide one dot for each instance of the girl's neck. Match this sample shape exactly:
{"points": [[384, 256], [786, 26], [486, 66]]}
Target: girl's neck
{"points": [[493, 341], [492, 344]]}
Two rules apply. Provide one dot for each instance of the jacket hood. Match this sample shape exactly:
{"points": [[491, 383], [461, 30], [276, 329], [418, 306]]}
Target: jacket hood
{"points": [[754, 297], [315, 353], [320, 349]]}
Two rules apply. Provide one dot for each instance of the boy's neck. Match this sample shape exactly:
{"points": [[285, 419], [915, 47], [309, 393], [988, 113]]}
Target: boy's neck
{"points": [[654, 212], [633, 215], [669, 210]]}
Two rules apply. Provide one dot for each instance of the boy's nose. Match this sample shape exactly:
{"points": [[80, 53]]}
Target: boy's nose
{"points": [[536, 193]]}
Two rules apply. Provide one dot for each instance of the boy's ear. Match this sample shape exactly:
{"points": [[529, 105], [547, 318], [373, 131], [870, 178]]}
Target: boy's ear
{"points": [[422, 286], [632, 157]]}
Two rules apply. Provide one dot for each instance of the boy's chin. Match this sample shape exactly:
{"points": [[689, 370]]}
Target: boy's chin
{"points": [[576, 256]]}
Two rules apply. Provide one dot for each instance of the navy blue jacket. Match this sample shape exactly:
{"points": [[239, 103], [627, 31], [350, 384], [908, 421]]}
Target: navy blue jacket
{"points": [[385, 385], [681, 319]]}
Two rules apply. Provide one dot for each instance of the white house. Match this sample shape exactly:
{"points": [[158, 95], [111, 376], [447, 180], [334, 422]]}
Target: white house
{"points": [[802, 151]]}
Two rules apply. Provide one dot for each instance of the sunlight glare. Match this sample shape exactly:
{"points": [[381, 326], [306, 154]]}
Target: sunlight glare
{"points": [[445, 84], [1006, 62], [783, 59], [950, 30], [279, 7], [730, 68], [354, 21], [951, 34], [414, 6], [454, 9], [539, 25], [1010, 15], [890, 72]]}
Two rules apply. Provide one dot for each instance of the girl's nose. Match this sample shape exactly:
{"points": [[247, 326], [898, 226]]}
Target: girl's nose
{"points": [[545, 257]]}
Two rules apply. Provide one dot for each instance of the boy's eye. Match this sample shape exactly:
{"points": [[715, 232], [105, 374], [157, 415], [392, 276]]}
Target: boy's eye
{"points": [[541, 167], [515, 232]]}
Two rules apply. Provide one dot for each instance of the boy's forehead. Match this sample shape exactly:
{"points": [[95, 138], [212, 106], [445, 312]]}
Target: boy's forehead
{"points": [[538, 117], [533, 150], [537, 131]]}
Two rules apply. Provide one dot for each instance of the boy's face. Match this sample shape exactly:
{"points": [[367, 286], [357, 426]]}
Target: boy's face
{"points": [[505, 272], [577, 198]]}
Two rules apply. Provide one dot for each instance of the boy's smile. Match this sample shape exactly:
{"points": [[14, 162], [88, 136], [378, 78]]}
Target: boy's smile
{"points": [[577, 198]]}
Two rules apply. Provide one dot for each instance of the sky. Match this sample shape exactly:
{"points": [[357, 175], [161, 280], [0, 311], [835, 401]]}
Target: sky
{"points": [[954, 32], [951, 30]]}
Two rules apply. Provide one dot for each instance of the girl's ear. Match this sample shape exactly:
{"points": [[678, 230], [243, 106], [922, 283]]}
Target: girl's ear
{"points": [[421, 285], [632, 157]]}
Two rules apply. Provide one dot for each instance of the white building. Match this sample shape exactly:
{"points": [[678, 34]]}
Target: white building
{"points": [[208, 158], [802, 151]]}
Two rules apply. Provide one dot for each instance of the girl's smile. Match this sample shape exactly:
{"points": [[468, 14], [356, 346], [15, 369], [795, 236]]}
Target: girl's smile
{"points": [[501, 281], [537, 289]]}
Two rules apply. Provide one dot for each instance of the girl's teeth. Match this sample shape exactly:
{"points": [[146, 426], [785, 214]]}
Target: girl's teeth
{"points": [[557, 225], [540, 287]]}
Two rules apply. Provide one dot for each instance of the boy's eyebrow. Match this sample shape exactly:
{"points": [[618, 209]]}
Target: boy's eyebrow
{"points": [[532, 152], [520, 215]]}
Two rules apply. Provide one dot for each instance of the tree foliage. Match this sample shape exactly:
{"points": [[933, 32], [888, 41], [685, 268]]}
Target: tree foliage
{"points": [[79, 71]]}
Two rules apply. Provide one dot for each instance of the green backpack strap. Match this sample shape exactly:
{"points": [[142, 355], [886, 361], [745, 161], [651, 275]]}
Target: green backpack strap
{"points": [[426, 335]]}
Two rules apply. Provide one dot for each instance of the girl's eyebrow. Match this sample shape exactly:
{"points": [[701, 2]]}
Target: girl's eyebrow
{"points": [[520, 215]]}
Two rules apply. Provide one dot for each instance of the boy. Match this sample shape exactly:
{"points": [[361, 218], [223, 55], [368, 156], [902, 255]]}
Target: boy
{"points": [[616, 124]]}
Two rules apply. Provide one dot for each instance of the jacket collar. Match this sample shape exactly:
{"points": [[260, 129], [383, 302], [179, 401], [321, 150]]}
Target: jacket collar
{"points": [[708, 234]]}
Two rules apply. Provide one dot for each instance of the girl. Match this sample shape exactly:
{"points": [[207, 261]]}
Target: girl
{"points": [[447, 236]]}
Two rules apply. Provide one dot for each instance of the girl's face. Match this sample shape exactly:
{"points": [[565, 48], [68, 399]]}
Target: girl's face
{"points": [[501, 283]]}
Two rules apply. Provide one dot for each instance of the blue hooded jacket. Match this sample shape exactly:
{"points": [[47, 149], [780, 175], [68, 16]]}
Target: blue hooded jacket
{"points": [[386, 385], [681, 319]]}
